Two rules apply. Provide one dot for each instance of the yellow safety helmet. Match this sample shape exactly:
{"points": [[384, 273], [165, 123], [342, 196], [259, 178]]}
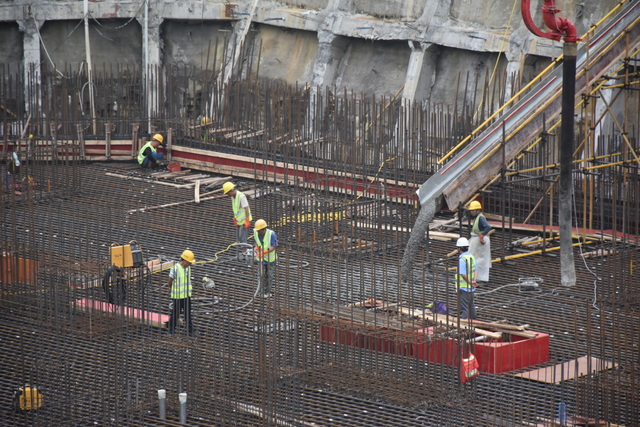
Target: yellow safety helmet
{"points": [[188, 256], [205, 120], [260, 224], [158, 138], [228, 186], [475, 205]]}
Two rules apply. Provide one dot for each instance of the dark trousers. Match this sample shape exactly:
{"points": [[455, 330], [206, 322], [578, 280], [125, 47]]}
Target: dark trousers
{"points": [[467, 306], [267, 276], [181, 306]]}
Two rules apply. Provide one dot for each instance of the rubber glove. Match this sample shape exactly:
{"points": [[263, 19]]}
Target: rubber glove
{"points": [[247, 223], [235, 222]]}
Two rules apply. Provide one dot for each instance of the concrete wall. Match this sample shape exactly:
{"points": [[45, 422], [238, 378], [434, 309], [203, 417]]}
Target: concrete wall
{"points": [[378, 68], [407, 10], [373, 46], [285, 55], [453, 70], [501, 13], [11, 47], [111, 42], [307, 4], [194, 43]]}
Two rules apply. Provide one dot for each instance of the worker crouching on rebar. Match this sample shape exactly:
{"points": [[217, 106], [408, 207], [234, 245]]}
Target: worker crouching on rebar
{"points": [[241, 214], [181, 288], [266, 254], [466, 279], [148, 156]]}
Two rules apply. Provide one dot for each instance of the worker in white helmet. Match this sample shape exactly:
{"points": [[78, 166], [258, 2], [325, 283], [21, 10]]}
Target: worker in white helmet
{"points": [[466, 283], [266, 254], [480, 243], [181, 289]]}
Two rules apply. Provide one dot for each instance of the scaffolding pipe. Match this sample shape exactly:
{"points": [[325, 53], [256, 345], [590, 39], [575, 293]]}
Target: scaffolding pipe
{"points": [[182, 397], [87, 46], [162, 404]]}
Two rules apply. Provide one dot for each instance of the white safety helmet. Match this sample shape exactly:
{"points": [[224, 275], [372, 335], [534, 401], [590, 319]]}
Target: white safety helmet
{"points": [[462, 242]]}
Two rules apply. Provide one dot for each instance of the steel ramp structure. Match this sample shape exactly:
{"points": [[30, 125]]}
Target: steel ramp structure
{"points": [[517, 125]]}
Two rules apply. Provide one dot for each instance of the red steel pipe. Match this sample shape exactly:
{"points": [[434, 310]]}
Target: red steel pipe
{"points": [[561, 28]]}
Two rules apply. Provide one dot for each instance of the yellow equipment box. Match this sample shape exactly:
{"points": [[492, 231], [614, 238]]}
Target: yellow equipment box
{"points": [[126, 255], [27, 398]]}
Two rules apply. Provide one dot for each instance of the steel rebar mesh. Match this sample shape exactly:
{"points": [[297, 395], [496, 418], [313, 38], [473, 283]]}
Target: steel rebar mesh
{"points": [[270, 362]]}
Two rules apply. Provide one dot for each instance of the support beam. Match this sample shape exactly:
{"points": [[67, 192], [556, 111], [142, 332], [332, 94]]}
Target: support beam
{"points": [[421, 72], [31, 62]]}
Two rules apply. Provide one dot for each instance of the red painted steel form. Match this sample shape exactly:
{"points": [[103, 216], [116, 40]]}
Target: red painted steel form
{"points": [[560, 27]]}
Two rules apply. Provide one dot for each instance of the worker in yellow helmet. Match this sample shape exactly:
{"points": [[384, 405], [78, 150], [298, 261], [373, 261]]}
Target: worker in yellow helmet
{"points": [[181, 288], [480, 243], [148, 155], [241, 213], [266, 254]]}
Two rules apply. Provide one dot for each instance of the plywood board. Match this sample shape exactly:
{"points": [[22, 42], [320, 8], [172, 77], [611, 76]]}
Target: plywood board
{"points": [[14, 269], [568, 370], [154, 319]]}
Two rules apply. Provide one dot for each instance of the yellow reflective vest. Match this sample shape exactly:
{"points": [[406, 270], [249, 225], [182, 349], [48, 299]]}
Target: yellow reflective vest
{"points": [[144, 147], [181, 286], [471, 272], [238, 211], [265, 244]]}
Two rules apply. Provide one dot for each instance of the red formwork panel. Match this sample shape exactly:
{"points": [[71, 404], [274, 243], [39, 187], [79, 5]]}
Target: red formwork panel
{"points": [[518, 353], [383, 340], [154, 319], [511, 353]]}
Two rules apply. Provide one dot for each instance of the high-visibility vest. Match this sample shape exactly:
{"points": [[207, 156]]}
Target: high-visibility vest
{"points": [[238, 211], [144, 147], [181, 287], [471, 267], [265, 244], [475, 229]]}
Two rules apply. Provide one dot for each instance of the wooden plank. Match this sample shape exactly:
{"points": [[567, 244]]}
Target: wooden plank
{"points": [[599, 253], [167, 175], [506, 326], [235, 133], [448, 320], [101, 158], [191, 177], [147, 317], [568, 370], [248, 135], [216, 180], [283, 165], [150, 181]]}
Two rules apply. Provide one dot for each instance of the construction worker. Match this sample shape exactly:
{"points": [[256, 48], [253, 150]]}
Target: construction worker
{"points": [[205, 122], [466, 283], [241, 213], [181, 288], [12, 167], [148, 155], [266, 254], [480, 243]]}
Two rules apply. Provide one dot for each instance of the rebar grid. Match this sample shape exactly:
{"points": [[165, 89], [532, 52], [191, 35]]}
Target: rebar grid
{"points": [[275, 361], [265, 364]]}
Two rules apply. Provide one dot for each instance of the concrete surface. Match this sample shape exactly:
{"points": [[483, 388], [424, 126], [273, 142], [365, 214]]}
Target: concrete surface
{"points": [[373, 46]]}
